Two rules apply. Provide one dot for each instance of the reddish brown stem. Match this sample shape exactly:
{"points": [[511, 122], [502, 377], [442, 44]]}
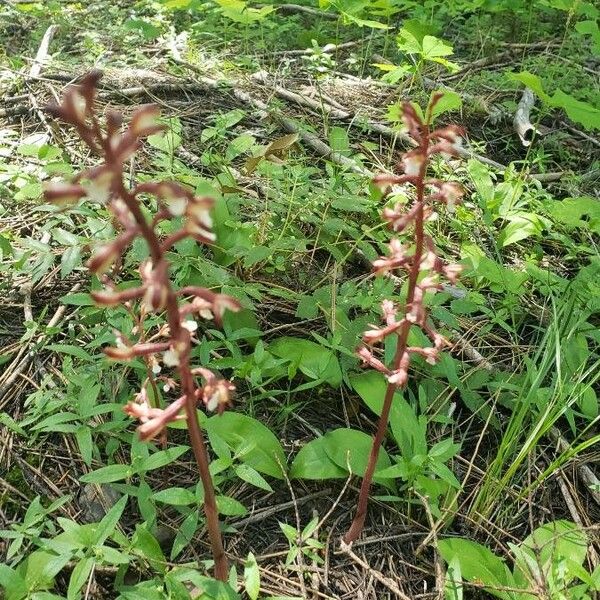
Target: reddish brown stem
{"points": [[358, 522]]}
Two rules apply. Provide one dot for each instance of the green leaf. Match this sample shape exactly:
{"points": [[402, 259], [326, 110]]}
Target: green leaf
{"points": [[582, 212], [241, 431], [313, 462], [453, 589], [176, 496], [313, 360], [69, 259], [547, 545], [230, 506], [12, 583], [533, 82], [478, 563], [577, 110], [75, 351], [149, 548], [79, 299], [83, 435], [520, 227], [109, 522], [161, 458], [79, 577], [408, 430], [253, 477], [107, 474], [251, 577], [449, 101], [185, 534], [351, 448], [433, 47], [339, 140]]}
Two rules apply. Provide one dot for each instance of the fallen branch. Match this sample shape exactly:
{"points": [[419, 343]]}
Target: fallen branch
{"points": [[521, 122], [290, 9]]}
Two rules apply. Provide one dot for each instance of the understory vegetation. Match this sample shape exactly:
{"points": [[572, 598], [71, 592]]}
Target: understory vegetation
{"points": [[299, 300]]}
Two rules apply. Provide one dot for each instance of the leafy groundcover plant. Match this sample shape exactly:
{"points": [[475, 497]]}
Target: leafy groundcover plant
{"points": [[171, 346], [424, 267]]}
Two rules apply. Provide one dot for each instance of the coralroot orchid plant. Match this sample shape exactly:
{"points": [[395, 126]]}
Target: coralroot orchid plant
{"points": [[423, 266], [171, 346]]}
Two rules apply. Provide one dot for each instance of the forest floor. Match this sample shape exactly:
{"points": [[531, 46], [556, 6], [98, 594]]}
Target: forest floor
{"points": [[290, 134]]}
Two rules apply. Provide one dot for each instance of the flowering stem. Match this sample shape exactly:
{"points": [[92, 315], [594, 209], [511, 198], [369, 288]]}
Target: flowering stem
{"points": [[179, 334], [105, 185], [358, 522]]}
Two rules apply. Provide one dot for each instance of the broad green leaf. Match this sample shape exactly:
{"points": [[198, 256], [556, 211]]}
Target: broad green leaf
{"points": [[75, 351], [547, 545], [577, 110], [339, 140], [408, 430], [241, 431], [313, 462], [313, 360], [449, 101], [12, 583], [84, 441], [149, 548], [78, 299], [582, 212], [533, 82], [453, 589], [253, 477], [433, 47], [478, 563], [350, 449], [520, 227]]}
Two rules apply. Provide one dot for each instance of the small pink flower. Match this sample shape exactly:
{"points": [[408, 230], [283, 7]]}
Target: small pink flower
{"points": [[153, 279], [154, 420], [369, 358], [144, 121], [384, 181], [216, 393], [99, 187], [413, 163], [396, 259], [389, 311], [63, 194], [452, 271]]}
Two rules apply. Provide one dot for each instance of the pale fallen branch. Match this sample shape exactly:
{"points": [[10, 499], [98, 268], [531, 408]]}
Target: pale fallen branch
{"points": [[521, 122]]}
